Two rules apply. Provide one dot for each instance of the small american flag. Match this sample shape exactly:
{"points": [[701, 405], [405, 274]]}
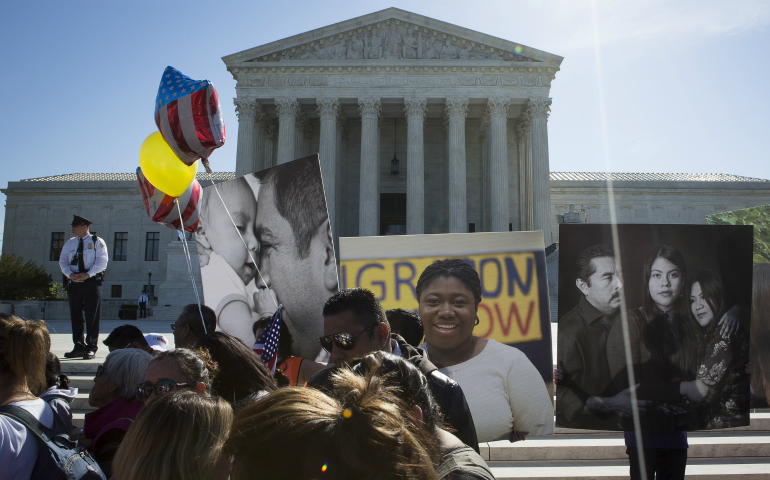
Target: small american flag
{"points": [[267, 343], [188, 116]]}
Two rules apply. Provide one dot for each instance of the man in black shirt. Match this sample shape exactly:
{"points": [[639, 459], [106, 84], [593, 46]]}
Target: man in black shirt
{"points": [[355, 325], [586, 396]]}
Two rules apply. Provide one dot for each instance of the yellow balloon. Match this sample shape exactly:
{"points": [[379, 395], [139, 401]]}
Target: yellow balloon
{"points": [[163, 168]]}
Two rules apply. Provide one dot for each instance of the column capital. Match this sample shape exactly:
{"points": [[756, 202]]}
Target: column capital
{"points": [[369, 107], [456, 107], [498, 107], [287, 107], [328, 107], [415, 108], [538, 108], [246, 107]]}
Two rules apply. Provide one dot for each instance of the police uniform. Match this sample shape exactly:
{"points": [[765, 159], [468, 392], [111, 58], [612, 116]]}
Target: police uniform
{"points": [[82, 255], [143, 305]]}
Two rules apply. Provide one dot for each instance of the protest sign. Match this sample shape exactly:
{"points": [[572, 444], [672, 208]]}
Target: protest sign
{"points": [[687, 291]]}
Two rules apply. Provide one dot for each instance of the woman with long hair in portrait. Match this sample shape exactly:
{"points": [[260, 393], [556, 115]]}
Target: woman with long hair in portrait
{"points": [[722, 357]]}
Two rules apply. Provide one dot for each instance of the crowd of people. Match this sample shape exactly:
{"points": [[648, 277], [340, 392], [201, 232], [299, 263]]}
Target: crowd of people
{"points": [[382, 408]]}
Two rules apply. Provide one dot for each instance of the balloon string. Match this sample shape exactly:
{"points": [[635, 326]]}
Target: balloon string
{"points": [[189, 263], [241, 237]]}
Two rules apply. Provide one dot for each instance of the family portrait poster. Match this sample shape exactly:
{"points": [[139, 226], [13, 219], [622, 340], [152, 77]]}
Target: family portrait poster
{"points": [[688, 295], [276, 218], [514, 309]]}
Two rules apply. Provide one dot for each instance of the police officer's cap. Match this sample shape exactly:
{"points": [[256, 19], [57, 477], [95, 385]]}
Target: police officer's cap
{"points": [[78, 220]]}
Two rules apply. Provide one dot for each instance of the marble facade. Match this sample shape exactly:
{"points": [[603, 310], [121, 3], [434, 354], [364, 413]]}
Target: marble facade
{"points": [[457, 99]]}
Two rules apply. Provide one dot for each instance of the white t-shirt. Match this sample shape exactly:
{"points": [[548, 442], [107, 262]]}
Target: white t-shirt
{"points": [[505, 392], [18, 447]]}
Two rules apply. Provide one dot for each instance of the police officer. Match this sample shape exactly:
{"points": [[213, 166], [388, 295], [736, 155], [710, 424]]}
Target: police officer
{"points": [[143, 305], [83, 258]]}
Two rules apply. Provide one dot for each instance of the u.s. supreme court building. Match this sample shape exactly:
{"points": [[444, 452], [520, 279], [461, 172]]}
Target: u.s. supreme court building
{"points": [[421, 126]]}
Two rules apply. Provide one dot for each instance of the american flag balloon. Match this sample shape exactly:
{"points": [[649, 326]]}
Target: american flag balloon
{"points": [[267, 343], [162, 209], [188, 116]]}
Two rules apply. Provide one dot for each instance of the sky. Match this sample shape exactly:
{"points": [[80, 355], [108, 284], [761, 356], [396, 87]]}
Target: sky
{"points": [[681, 86]]}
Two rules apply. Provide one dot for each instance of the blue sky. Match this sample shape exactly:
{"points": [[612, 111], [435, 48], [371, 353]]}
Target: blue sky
{"points": [[684, 82]]}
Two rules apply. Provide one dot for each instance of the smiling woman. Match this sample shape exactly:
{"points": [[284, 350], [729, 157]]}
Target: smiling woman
{"points": [[505, 392]]}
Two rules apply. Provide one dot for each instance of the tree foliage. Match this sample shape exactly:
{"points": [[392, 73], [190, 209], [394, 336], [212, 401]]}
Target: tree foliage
{"points": [[759, 218], [22, 281]]}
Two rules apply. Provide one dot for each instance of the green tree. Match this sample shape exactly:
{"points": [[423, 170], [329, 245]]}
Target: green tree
{"points": [[759, 217], [22, 281]]}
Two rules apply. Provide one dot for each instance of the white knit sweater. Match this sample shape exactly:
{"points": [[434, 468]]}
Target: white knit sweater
{"points": [[505, 392]]}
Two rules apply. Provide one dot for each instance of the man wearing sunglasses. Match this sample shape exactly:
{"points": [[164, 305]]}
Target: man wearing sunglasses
{"points": [[355, 325]]}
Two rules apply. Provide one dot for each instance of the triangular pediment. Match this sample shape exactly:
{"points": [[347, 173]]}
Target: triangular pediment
{"points": [[390, 35]]}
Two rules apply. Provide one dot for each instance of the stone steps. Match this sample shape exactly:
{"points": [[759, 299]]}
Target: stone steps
{"points": [[612, 447], [733, 468]]}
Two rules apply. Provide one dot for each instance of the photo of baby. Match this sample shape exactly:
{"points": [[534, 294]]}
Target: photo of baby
{"points": [[277, 220]]}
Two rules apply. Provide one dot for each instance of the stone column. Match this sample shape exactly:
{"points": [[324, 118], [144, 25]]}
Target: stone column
{"points": [[259, 140], [340, 162], [415, 165], [368, 215], [538, 109], [288, 109], [327, 150], [523, 132], [498, 164], [269, 142], [246, 109], [456, 110], [299, 135], [484, 161]]}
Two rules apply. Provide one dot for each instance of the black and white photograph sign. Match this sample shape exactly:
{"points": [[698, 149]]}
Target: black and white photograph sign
{"points": [[687, 292], [276, 218]]}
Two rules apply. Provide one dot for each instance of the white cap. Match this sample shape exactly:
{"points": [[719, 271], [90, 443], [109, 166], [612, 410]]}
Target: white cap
{"points": [[157, 341]]}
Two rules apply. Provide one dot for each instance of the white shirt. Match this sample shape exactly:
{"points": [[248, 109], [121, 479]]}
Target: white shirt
{"points": [[94, 256], [505, 392], [18, 447], [142, 298]]}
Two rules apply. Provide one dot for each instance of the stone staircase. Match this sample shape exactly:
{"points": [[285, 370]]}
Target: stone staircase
{"points": [[580, 454]]}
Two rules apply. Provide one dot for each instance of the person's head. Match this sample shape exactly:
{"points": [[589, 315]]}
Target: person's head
{"points": [[598, 278], [449, 292], [80, 226], [178, 369], [405, 323], [706, 298], [218, 235], [118, 376], [53, 375], [178, 436], [285, 340], [760, 331], [241, 372], [407, 383], [127, 336], [296, 250], [354, 325], [665, 274], [25, 346], [189, 327], [362, 435]]}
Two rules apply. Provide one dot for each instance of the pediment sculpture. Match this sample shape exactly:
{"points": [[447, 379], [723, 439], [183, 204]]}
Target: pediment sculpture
{"points": [[393, 41]]}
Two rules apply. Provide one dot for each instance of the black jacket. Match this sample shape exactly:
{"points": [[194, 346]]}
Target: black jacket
{"points": [[447, 393]]}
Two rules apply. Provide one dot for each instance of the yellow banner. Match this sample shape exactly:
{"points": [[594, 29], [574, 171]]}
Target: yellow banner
{"points": [[510, 308]]}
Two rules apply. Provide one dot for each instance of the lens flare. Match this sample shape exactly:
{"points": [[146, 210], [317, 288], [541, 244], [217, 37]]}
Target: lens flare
{"points": [[517, 49], [325, 466], [347, 413]]}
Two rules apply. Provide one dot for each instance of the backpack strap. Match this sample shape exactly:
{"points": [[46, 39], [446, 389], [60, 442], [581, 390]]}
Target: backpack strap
{"points": [[94, 238], [27, 419]]}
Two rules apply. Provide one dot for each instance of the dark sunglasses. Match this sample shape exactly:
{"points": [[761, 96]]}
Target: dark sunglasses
{"points": [[343, 340], [100, 370], [164, 386]]}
